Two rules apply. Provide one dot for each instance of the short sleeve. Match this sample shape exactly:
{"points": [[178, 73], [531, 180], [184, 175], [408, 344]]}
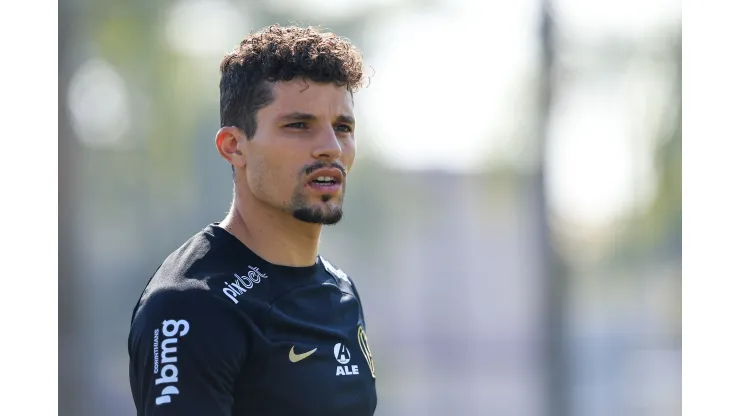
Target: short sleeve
{"points": [[186, 351]]}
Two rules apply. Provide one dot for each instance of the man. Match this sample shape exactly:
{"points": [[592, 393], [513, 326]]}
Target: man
{"points": [[245, 318]]}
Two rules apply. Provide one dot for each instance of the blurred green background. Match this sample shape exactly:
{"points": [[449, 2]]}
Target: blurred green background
{"points": [[513, 220]]}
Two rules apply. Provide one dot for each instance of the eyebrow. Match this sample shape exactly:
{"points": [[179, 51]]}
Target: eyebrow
{"points": [[297, 116], [346, 119]]}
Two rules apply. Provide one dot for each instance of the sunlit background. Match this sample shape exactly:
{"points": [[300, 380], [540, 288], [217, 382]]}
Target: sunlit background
{"points": [[513, 220]]}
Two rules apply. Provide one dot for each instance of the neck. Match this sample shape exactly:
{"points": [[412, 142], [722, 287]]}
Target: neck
{"points": [[272, 234]]}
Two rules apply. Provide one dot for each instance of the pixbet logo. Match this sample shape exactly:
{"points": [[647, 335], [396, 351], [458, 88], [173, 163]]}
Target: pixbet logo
{"points": [[243, 283]]}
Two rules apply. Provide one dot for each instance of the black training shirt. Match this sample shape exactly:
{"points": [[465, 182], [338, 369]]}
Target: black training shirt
{"points": [[219, 331]]}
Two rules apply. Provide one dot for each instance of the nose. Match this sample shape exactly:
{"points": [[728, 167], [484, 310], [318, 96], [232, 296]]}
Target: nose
{"points": [[327, 146]]}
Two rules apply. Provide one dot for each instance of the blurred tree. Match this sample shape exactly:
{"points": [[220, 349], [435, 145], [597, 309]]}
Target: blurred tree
{"points": [[655, 233], [661, 224], [70, 360], [552, 268]]}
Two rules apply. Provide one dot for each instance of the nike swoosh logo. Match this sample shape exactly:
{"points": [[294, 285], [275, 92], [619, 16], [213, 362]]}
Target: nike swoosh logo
{"points": [[294, 358]]}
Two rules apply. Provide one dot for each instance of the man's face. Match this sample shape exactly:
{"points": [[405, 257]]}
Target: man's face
{"points": [[302, 150]]}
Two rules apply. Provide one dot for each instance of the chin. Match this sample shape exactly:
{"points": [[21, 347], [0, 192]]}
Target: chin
{"points": [[319, 215]]}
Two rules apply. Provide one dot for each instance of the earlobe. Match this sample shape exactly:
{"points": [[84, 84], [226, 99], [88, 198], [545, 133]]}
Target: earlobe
{"points": [[227, 143]]}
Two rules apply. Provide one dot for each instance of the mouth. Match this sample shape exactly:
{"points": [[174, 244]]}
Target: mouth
{"points": [[326, 180]]}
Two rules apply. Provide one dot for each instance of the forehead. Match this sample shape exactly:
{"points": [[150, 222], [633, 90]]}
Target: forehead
{"points": [[306, 96]]}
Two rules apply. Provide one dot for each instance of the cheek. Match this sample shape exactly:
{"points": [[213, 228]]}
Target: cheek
{"points": [[255, 174], [271, 177], [348, 154], [260, 175]]}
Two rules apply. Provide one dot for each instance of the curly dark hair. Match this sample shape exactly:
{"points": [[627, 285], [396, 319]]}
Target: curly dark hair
{"points": [[280, 54]]}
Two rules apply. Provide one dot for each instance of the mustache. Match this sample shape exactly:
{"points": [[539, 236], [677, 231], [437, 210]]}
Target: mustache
{"points": [[313, 168]]}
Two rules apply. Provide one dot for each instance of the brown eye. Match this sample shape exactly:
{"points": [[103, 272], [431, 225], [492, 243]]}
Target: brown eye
{"points": [[298, 125], [344, 128]]}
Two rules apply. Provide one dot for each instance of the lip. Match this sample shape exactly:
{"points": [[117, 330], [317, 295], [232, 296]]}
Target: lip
{"points": [[332, 189], [333, 173]]}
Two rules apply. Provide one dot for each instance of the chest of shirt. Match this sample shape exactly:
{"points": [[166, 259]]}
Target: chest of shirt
{"points": [[311, 356]]}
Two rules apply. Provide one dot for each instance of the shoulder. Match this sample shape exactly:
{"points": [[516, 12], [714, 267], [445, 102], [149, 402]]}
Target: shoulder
{"points": [[335, 271], [342, 277], [345, 283], [190, 297], [195, 311], [201, 272]]}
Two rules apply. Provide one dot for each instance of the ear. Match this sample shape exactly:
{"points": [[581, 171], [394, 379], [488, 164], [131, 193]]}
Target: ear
{"points": [[230, 142]]}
